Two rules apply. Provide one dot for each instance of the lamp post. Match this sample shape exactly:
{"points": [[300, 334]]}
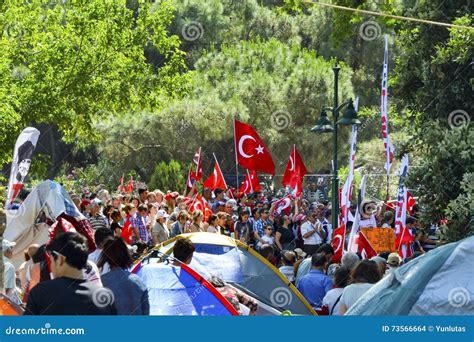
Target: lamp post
{"points": [[324, 125]]}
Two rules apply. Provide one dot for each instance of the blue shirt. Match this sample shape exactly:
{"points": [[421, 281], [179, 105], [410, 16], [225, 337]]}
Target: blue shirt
{"points": [[314, 287]]}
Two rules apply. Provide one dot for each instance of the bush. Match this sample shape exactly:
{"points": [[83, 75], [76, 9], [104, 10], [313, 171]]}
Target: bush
{"points": [[168, 177]]}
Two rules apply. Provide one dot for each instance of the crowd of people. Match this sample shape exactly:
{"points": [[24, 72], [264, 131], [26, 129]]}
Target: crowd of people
{"points": [[68, 276]]}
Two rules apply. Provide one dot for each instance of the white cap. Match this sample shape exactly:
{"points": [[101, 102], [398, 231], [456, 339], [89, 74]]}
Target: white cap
{"points": [[7, 245], [161, 214]]}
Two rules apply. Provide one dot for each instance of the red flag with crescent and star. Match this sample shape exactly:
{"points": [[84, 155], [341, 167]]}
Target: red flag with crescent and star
{"points": [[295, 171], [283, 206], [216, 179], [250, 150], [337, 242], [250, 183]]}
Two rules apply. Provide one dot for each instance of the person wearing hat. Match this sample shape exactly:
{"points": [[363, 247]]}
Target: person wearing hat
{"points": [[9, 275], [368, 209], [160, 231], [393, 262], [96, 218]]}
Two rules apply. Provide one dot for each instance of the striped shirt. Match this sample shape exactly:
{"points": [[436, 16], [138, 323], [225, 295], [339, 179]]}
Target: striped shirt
{"points": [[98, 221]]}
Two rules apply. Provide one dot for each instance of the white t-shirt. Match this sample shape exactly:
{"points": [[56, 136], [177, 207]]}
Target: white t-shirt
{"points": [[212, 229], [353, 292], [268, 239], [9, 280], [370, 222], [330, 299], [314, 239]]}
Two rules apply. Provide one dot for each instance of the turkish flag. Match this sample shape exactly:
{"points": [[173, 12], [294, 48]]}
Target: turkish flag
{"points": [[130, 185], [283, 206], [295, 171], [410, 202], [199, 204], [250, 150], [121, 187], [365, 248], [337, 242], [216, 179], [198, 161], [250, 183]]}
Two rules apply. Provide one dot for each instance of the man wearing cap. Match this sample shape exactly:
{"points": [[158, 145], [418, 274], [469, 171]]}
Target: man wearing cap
{"points": [[96, 219], [160, 231], [9, 275], [393, 262]]}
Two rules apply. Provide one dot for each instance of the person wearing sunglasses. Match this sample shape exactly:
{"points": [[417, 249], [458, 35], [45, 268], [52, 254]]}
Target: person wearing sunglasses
{"points": [[267, 238], [68, 293]]}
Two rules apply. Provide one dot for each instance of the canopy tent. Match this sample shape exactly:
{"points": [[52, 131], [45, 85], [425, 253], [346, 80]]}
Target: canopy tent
{"points": [[48, 198], [176, 291], [440, 282], [236, 263]]}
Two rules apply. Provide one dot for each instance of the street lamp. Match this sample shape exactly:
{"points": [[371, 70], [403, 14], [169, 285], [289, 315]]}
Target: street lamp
{"points": [[324, 125]]}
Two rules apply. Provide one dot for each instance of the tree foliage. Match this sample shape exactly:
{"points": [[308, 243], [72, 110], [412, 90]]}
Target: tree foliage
{"points": [[167, 176], [74, 63]]}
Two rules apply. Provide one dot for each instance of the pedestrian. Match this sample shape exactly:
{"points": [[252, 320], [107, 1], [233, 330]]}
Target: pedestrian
{"points": [[129, 292], [314, 285], [160, 232], [363, 276], [313, 234], [68, 293], [332, 299], [9, 275]]}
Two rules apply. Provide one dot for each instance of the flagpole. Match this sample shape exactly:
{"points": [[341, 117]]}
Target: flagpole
{"points": [[236, 160]]}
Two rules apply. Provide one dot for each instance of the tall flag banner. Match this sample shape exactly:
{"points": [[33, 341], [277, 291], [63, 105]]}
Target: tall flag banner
{"points": [[250, 183], [295, 172], [24, 148], [366, 250], [384, 111], [404, 237], [129, 188], [346, 195], [216, 178], [197, 160], [352, 245], [250, 150], [283, 206], [191, 178], [121, 187]]}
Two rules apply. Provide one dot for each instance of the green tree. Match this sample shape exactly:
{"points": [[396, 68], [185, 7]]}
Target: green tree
{"points": [[434, 93], [75, 63], [168, 176], [279, 89]]}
